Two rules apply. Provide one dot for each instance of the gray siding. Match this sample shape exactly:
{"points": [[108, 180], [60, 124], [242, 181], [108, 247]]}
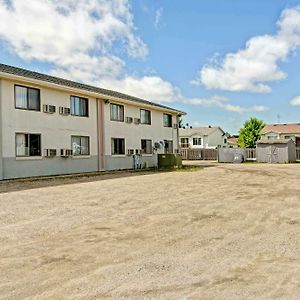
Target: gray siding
{"points": [[276, 153], [14, 168], [126, 162]]}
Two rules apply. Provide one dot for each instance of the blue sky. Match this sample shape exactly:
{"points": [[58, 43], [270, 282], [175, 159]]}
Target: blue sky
{"points": [[192, 55]]}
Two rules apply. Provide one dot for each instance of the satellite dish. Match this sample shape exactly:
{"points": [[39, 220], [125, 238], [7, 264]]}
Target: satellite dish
{"points": [[157, 145]]}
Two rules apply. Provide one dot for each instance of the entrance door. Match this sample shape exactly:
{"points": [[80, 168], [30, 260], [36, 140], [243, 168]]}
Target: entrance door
{"points": [[168, 146]]}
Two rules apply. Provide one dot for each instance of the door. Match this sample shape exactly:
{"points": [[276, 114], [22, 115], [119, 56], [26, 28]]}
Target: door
{"points": [[168, 147], [272, 154]]}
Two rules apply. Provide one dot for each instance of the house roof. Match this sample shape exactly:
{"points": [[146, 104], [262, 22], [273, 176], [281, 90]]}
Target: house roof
{"points": [[198, 130], [89, 88], [232, 140], [282, 128]]}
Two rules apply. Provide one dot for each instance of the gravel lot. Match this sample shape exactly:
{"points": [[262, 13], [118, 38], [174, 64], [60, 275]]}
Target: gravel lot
{"points": [[224, 232]]}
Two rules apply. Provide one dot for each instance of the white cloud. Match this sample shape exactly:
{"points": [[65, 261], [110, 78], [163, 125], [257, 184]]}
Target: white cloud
{"points": [[80, 38], [222, 102], [147, 87], [295, 101], [158, 16], [251, 68], [49, 30]]}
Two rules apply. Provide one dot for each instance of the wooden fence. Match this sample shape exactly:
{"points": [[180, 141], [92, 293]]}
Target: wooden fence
{"points": [[212, 154], [250, 154], [199, 154]]}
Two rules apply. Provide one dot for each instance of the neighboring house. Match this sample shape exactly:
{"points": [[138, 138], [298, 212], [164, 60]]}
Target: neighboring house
{"points": [[282, 132], [52, 126], [232, 141], [202, 137]]}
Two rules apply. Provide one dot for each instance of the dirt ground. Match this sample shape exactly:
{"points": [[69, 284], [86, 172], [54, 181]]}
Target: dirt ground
{"points": [[224, 232]]}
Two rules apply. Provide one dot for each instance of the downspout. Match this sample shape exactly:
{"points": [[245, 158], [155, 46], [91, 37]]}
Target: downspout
{"points": [[177, 131], [100, 135]]}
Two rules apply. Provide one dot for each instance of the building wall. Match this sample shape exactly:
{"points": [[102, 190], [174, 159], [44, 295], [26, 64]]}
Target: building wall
{"points": [[204, 141], [275, 135], [216, 139], [133, 134], [55, 129], [211, 141]]}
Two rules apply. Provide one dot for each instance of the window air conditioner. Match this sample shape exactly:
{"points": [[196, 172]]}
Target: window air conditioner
{"points": [[50, 152], [64, 111], [130, 151], [66, 152], [50, 109], [128, 120]]}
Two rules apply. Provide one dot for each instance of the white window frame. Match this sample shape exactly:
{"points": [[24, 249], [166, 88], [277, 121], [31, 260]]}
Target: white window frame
{"points": [[80, 146], [120, 112], [27, 141]]}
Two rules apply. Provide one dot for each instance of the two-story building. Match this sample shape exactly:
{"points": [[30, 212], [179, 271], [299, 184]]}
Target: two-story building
{"points": [[51, 126], [282, 132], [202, 138]]}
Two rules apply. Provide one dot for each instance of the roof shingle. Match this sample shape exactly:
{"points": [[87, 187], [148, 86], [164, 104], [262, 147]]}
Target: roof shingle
{"points": [[282, 128]]}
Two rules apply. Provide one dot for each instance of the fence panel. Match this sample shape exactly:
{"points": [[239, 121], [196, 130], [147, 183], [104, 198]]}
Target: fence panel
{"points": [[199, 154], [250, 154]]}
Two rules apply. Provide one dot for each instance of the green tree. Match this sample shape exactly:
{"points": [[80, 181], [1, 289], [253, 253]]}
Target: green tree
{"points": [[250, 133]]}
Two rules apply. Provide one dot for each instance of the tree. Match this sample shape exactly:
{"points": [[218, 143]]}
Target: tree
{"points": [[250, 133]]}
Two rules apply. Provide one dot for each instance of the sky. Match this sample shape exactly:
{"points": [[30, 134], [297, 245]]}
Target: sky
{"points": [[221, 62]]}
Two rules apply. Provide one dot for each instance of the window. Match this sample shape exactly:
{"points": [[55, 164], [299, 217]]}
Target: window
{"points": [[225, 141], [146, 146], [167, 120], [184, 142], [288, 137], [80, 145], [272, 137], [145, 116], [197, 141], [168, 146], [117, 146], [79, 106], [27, 98], [116, 112], [28, 145]]}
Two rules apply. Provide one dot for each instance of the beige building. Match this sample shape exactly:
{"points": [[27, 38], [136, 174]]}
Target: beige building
{"points": [[282, 132], [52, 126], [202, 137]]}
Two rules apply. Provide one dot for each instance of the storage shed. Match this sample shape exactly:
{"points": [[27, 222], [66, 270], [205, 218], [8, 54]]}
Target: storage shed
{"points": [[276, 151]]}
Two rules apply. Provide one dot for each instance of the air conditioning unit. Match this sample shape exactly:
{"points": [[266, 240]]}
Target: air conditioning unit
{"points": [[50, 109], [137, 121], [66, 152], [175, 126], [128, 120], [130, 152], [64, 111], [50, 152]]}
